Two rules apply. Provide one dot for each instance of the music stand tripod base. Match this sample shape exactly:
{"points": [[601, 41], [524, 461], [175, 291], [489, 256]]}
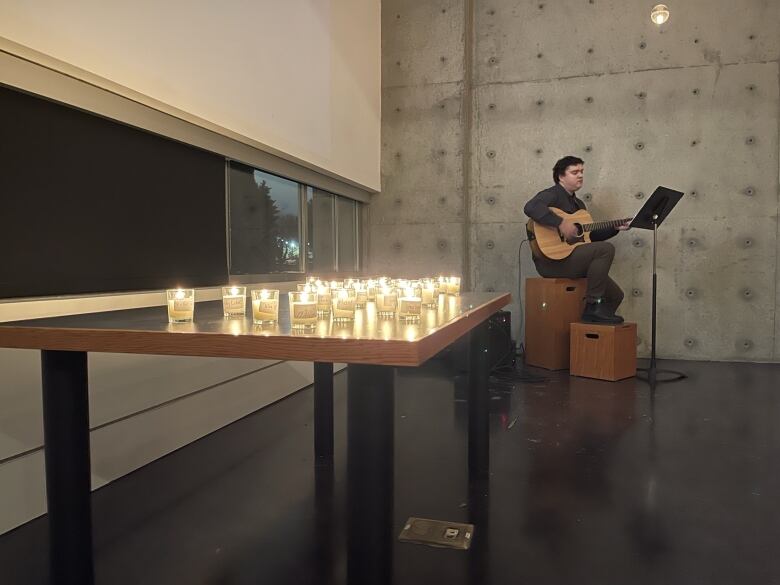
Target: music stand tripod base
{"points": [[652, 214]]}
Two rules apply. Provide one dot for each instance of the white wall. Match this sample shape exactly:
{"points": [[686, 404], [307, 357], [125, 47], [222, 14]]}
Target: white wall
{"points": [[301, 77]]}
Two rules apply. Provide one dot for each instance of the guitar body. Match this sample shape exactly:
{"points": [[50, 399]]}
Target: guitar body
{"points": [[551, 244]]}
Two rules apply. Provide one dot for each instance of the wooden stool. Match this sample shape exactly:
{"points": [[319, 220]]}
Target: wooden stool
{"points": [[605, 352], [551, 305]]}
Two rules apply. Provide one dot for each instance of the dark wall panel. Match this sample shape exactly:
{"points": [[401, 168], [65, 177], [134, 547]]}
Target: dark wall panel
{"points": [[89, 205]]}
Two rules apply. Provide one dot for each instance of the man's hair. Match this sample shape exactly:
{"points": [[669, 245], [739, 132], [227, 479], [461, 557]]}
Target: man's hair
{"points": [[563, 164]]}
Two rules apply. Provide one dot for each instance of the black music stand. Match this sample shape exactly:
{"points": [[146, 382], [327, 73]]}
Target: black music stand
{"points": [[652, 214]]}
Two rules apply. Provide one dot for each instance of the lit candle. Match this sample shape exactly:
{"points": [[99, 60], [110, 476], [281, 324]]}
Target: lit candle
{"points": [[323, 300], [409, 305], [303, 310], [361, 295], [343, 305], [181, 305], [386, 302], [233, 301], [371, 290], [453, 285], [265, 306], [429, 296]]}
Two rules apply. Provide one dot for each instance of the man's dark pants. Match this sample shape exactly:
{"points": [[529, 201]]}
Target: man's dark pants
{"points": [[591, 261]]}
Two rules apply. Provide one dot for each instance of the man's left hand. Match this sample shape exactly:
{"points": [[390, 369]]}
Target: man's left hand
{"points": [[624, 227]]}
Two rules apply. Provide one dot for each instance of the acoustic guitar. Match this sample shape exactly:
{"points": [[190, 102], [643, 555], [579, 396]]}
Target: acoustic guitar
{"points": [[551, 243]]}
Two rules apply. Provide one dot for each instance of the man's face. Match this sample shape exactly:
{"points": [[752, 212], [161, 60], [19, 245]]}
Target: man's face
{"points": [[571, 180]]}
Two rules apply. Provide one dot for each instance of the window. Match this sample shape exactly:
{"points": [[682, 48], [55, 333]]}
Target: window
{"points": [[266, 214], [346, 222], [264, 222], [321, 231]]}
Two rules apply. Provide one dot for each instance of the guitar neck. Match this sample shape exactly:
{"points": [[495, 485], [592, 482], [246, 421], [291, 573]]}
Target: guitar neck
{"points": [[600, 225]]}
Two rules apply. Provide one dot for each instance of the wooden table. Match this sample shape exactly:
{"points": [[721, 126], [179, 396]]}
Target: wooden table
{"points": [[371, 347]]}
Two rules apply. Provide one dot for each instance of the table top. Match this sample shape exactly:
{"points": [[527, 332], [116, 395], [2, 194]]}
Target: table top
{"points": [[369, 339]]}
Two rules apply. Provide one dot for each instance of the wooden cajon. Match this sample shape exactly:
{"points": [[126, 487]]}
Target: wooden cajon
{"points": [[551, 305], [604, 352]]}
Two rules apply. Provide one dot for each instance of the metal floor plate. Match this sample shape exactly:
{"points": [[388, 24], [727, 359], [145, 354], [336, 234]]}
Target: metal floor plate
{"points": [[439, 533]]}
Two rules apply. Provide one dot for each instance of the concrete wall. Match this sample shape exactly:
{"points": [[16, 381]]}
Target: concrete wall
{"points": [[481, 98]]}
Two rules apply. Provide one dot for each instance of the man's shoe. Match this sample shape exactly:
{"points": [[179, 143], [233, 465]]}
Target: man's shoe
{"points": [[598, 312]]}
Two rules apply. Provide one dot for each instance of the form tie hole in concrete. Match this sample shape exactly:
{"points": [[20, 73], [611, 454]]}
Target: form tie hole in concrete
{"points": [[588, 148], [750, 140], [492, 61], [539, 102], [694, 142], [690, 342], [490, 244], [444, 11], [641, 95], [747, 243], [751, 37], [442, 152], [751, 87], [745, 344], [442, 244], [491, 200], [397, 16], [442, 200], [636, 292], [589, 100], [491, 154], [587, 197], [696, 91], [639, 195], [398, 109], [490, 289], [693, 194], [691, 293], [643, 45], [541, 6], [637, 243], [692, 243], [695, 41], [639, 145], [747, 293], [491, 106], [443, 59], [590, 51], [749, 191], [397, 246], [398, 201], [398, 63], [539, 55], [538, 151], [442, 106]]}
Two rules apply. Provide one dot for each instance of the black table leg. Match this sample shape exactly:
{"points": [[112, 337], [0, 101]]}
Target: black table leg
{"points": [[323, 412], [370, 418], [479, 408], [68, 482]]}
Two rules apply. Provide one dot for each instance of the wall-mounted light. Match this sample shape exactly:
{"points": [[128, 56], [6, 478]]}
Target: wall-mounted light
{"points": [[659, 14]]}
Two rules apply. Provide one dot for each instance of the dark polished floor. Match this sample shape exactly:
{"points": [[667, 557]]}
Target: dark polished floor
{"points": [[591, 483]]}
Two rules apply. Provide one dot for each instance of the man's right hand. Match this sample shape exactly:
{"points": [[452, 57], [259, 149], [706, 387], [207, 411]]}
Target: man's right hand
{"points": [[568, 229]]}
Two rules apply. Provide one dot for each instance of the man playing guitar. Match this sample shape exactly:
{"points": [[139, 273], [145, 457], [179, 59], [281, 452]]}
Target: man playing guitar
{"points": [[592, 260]]}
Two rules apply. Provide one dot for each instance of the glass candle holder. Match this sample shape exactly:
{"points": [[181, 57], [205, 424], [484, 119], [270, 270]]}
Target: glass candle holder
{"points": [[323, 300], [409, 305], [361, 295], [304, 287], [429, 295], [343, 303], [303, 310], [265, 306], [386, 302], [371, 288], [181, 305], [453, 285], [234, 301]]}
